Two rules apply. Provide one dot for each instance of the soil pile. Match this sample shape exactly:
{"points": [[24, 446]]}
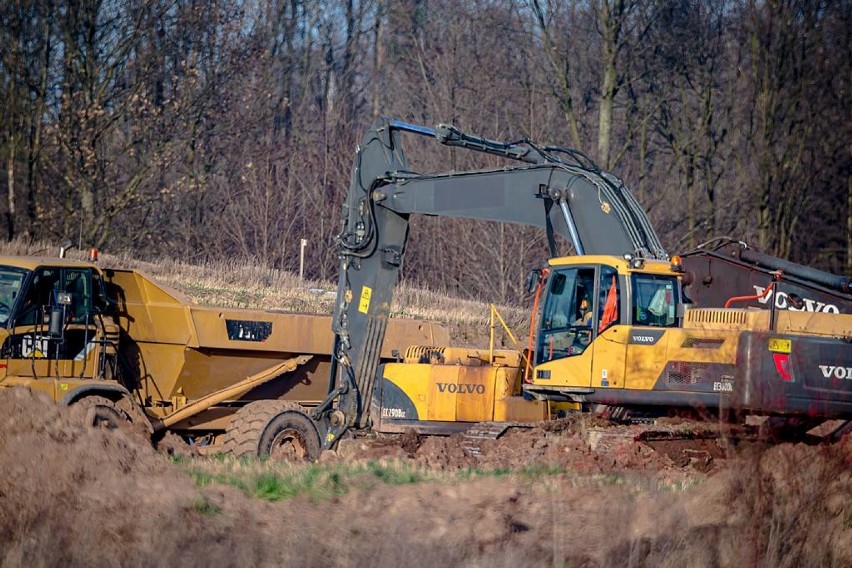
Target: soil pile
{"points": [[583, 444], [74, 496], [77, 496]]}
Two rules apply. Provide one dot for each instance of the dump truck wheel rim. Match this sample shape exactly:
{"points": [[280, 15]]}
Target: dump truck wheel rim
{"points": [[102, 413], [103, 417], [290, 436], [289, 444]]}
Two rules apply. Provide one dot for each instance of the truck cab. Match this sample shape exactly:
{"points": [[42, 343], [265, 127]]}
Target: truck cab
{"points": [[53, 333]]}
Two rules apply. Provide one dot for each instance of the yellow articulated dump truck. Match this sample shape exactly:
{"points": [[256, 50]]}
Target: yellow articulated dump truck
{"points": [[125, 347]]}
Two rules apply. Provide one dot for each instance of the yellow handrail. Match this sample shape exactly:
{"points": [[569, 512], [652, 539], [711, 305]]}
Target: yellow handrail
{"points": [[495, 312]]}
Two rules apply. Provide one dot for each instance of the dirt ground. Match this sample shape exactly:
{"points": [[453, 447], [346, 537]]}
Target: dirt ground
{"points": [[583, 493]]}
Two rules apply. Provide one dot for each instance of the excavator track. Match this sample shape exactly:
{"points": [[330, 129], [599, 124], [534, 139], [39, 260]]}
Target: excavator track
{"points": [[698, 443], [842, 429], [693, 443], [482, 431]]}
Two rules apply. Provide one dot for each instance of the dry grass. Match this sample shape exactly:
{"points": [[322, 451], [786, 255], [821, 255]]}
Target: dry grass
{"points": [[248, 284]]}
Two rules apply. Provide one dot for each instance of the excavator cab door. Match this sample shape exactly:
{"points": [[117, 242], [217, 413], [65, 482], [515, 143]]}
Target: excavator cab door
{"points": [[566, 330], [579, 340], [610, 354]]}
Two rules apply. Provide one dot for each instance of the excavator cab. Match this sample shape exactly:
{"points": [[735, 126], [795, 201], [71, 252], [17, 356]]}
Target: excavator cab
{"points": [[583, 350], [568, 317]]}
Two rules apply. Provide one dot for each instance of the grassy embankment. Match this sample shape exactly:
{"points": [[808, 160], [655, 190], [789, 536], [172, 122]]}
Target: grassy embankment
{"points": [[277, 481]]}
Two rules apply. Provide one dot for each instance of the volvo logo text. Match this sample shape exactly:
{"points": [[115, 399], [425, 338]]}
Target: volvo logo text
{"points": [[461, 388], [829, 371]]}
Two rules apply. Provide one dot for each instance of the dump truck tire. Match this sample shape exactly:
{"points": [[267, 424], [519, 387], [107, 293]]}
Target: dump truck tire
{"points": [[100, 412], [273, 428]]}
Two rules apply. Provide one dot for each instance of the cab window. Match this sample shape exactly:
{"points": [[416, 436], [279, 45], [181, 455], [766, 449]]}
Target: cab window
{"points": [[40, 292], [11, 280], [567, 319], [78, 284], [609, 314], [655, 300], [44, 291]]}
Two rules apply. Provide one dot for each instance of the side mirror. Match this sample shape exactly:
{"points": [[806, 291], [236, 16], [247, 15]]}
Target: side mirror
{"points": [[533, 279], [56, 322]]}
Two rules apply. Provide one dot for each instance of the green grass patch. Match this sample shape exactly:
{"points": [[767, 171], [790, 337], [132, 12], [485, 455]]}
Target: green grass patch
{"points": [[531, 472], [474, 472], [542, 470], [272, 481], [397, 475], [204, 507], [276, 481]]}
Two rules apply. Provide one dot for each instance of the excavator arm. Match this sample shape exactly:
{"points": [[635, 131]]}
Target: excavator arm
{"points": [[557, 189], [723, 268]]}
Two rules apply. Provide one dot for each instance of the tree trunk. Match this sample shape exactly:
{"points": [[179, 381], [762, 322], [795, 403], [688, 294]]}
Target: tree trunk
{"points": [[691, 220], [10, 188], [37, 126], [610, 24], [378, 61], [560, 65]]}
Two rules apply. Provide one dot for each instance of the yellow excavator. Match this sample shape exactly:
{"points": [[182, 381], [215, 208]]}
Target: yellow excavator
{"points": [[611, 323]]}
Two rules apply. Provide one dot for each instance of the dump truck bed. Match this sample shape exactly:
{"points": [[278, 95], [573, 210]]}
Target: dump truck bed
{"points": [[174, 352]]}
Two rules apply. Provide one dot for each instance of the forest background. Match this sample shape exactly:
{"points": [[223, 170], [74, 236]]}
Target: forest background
{"points": [[211, 129]]}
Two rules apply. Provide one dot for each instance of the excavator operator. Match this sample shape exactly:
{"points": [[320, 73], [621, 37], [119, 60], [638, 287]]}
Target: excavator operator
{"points": [[585, 318], [583, 327]]}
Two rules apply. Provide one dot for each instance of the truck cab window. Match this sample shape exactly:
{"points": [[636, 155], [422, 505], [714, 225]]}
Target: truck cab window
{"points": [[40, 292], [654, 300], [11, 280], [43, 291], [78, 283]]}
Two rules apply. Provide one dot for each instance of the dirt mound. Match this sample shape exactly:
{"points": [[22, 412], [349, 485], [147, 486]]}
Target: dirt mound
{"points": [[68, 490], [74, 496], [582, 443], [77, 496], [782, 506]]}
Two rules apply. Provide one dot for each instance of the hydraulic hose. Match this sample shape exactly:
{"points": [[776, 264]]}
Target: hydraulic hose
{"points": [[833, 281]]}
